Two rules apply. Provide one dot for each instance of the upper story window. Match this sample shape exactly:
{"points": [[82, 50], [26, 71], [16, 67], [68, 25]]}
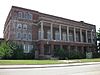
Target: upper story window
{"points": [[64, 36], [19, 26], [48, 35], [57, 35], [25, 15], [39, 34], [25, 27], [19, 14], [71, 37], [29, 16], [29, 36], [25, 36], [77, 36], [18, 35]]}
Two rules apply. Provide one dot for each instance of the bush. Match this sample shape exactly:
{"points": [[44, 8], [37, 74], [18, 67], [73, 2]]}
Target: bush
{"points": [[76, 55], [60, 53]]}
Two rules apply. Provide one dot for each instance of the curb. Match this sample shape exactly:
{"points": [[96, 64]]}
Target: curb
{"points": [[46, 66]]}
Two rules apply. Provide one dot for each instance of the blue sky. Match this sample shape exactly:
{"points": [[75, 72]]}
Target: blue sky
{"points": [[79, 10]]}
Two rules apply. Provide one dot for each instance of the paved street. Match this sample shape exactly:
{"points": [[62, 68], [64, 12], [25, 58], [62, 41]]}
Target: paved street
{"points": [[68, 70]]}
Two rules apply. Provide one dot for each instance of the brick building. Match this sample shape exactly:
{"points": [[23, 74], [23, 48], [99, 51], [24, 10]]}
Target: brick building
{"points": [[44, 33]]}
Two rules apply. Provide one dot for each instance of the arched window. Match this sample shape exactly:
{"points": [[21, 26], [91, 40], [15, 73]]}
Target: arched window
{"points": [[29, 36], [19, 26], [18, 35], [24, 36]]}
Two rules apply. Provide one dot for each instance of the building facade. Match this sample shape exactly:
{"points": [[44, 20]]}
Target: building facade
{"points": [[44, 33]]}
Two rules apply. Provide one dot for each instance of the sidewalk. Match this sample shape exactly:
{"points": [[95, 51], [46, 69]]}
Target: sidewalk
{"points": [[45, 66]]}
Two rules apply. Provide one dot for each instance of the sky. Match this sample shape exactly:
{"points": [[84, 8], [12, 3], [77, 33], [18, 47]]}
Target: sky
{"points": [[78, 10]]}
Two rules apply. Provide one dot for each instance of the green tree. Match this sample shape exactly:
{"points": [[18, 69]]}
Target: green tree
{"points": [[97, 53], [5, 50], [17, 50], [98, 34]]}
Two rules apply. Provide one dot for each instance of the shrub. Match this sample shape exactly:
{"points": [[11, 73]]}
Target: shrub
{"points": [[60, 53]]}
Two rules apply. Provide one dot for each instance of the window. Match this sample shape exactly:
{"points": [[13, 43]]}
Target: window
{"points": [[47, 49], [57, 35], [30, 47], [29, 36], [77, 36], [27, 48], [25, 15], [64, 36], [24, 36], [39, 34], [48, 35], [71, 38], [19, 14], [89, 37], [18, 35], [25, 27], [29, 16], [19, 26]]}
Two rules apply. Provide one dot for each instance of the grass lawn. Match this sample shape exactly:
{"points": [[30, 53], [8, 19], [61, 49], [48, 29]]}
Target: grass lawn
{"points": [[90, 60], [37, 62], [28, 62]]}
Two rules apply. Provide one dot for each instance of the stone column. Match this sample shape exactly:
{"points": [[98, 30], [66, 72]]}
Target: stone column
{"points": [[81, 35], [51, 31], [67, 33], [86, 37], [74, 35], [42, 32], [60, 31]]}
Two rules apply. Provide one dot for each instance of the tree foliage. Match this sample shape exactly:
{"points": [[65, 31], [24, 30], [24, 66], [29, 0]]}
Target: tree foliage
{"points": [[18, 52], [5, 50], [12, 50], [98, 34]]}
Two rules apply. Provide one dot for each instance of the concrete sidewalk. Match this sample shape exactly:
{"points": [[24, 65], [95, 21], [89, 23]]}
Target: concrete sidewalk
{"points": [[45, 66]]}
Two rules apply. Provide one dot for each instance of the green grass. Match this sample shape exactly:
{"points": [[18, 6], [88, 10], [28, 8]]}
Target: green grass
{"points": [[90, 60], [42, 62], [28, 62]]}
